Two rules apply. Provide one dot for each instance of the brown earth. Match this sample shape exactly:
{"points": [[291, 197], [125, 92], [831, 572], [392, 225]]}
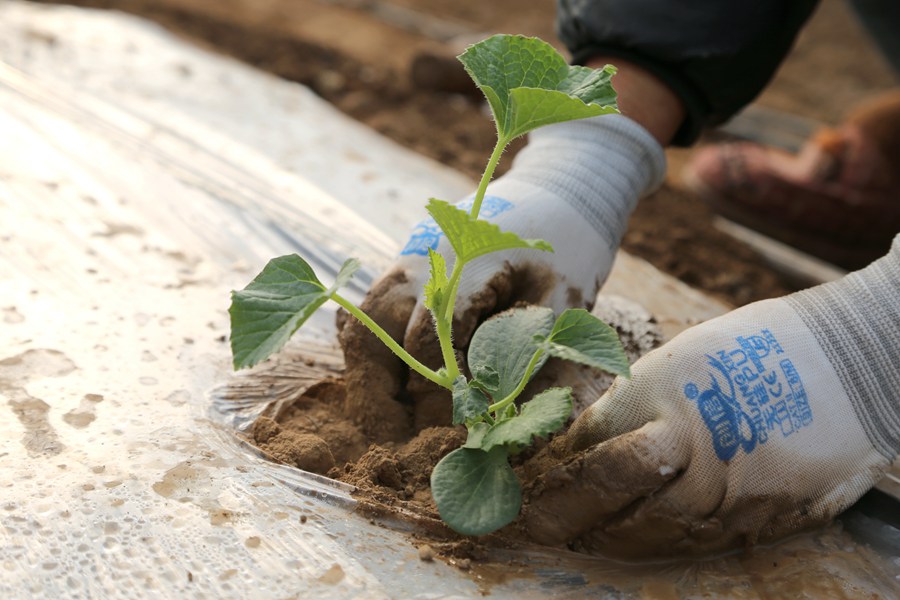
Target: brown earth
{"points": [[318, 428], [392, 479], [357, 54]]}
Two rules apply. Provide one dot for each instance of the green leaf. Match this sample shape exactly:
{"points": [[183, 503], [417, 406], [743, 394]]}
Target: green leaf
{"points": [[477, 432], [581, 337], [540, 416], [505, 344], [476, 492], [436, 288], [469, 402], [528, 84], [348, 269], [275, 304], [487, 378], [472, 237]]}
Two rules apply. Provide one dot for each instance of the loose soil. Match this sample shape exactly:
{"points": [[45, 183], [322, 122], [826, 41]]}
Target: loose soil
{"points": [[391, 478]]}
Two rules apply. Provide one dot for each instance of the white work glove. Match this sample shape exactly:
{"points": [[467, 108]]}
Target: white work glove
{"points": [[574, 185], [773, 418]]}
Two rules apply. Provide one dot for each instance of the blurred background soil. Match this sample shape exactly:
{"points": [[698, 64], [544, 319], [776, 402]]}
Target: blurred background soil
{"points": [[357, 54]]}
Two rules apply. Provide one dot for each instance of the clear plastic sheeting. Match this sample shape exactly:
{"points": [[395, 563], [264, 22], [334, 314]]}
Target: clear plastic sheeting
{"points": [[141, 179]]}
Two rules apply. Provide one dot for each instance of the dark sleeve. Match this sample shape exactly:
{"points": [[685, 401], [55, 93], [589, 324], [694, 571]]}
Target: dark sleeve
{"points": [[716, 55]]}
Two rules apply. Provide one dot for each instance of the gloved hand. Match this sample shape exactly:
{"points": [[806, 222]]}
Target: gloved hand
{"points": [[772, 418], [574, 185]]}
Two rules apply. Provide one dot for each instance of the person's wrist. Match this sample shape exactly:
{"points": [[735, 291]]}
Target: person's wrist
{"points": [[599, 166], [611, 158], [855, 321], [594, 150], [644, 98]]}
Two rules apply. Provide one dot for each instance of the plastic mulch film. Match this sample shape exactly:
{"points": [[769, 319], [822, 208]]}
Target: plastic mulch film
{"points": [[141, 179]]}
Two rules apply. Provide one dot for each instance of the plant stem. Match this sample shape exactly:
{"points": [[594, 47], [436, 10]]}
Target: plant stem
{"points": [[488, 174], [445, 338], [415, 365], [444, 322], [498, 406], [453, 286]]}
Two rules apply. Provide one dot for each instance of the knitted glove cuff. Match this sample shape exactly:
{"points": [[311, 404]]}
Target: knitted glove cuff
{"points": [[599, 166], [856, 320]]}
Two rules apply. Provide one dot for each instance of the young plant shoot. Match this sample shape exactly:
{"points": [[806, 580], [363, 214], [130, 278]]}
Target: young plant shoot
{"points": [[527, 85]]}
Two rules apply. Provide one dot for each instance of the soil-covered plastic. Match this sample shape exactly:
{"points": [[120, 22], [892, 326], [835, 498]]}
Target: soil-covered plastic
{"points": [[141, 179]]}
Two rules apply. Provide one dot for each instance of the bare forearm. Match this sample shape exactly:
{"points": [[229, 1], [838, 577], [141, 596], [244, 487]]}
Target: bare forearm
{"points": [[645, 98]]}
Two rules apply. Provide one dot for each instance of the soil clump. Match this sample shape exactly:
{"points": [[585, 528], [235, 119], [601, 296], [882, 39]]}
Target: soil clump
{"points": [[392, 479]]}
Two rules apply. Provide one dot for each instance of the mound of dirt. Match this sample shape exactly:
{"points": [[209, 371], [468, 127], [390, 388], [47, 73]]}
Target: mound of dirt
{"points": [[392, 480], [314, 431]]}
